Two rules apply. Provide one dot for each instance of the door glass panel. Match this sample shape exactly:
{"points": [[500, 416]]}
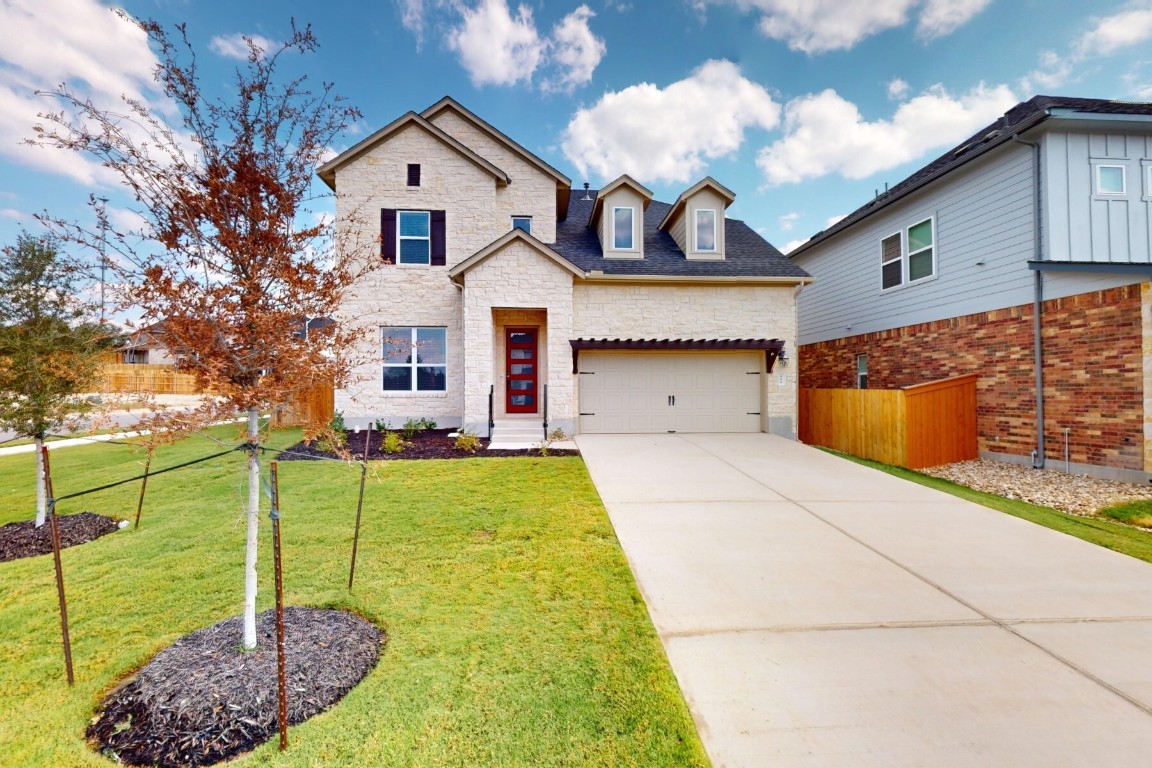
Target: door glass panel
{"points": [[521, 337], [522, 369], [524, 386], [522, 354], [522, 400]]}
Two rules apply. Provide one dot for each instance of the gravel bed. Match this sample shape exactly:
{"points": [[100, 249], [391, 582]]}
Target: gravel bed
{"points": [[1075, 494]]}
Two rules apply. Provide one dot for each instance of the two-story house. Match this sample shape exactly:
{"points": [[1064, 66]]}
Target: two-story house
{"points": [[501, 296], [1024, 256]]}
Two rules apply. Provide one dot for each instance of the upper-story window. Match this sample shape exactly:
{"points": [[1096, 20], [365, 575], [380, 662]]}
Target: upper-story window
{"points": [[623, 238], [522, 222], [415, 237], [413, 174], [705, 229], [908, 255], [1110, 180]]}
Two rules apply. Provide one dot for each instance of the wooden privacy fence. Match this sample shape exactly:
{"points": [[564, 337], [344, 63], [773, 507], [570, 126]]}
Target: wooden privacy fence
{"points": [[316, 405], [920, 426], [154, 379]]}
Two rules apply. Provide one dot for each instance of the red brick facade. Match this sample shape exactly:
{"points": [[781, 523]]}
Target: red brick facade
{"points": [[1093, 372]]}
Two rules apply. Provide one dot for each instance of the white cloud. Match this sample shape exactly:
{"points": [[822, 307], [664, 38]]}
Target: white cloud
{"points": [[897, 89], [824, 133], [1122, 30], [575, 51], [819, 26], [669, 134], [792, 245], [82, 43], [1052, 72], [236, 47], [943, 17], [412, 18], [12, 213], [833, 220], [788, 220], [495, 47]]}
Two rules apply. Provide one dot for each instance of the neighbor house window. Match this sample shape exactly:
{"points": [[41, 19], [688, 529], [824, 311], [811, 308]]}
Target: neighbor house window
{"points": [[861, 371], [1147, 179], [705, 230], [908, 255], [415, 241], [415, 359], [1110, 180], [622, 236], [522, 222], [413, 174]]}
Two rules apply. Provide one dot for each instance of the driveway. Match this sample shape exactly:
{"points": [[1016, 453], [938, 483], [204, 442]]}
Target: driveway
{"points": [[820, 613]]}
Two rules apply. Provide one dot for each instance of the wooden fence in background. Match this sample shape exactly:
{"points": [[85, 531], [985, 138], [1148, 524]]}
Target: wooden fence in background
{"points": [[153, 379], [919, 426], [317, 405]]}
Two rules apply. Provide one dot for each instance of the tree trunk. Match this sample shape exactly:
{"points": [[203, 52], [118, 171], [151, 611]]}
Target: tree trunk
{"points": [[41, 484], [253, 531]]}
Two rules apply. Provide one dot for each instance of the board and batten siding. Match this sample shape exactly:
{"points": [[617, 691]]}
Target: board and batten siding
{"points": [[1085, 226], [984, 213]]}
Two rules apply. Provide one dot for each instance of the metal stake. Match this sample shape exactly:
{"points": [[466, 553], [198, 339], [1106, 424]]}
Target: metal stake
{"points": [[359, 507], [59, 568], [282, 678], [143, 487]]}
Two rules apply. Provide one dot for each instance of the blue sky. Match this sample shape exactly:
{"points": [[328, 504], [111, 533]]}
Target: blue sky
{"points": [[801, 108]]}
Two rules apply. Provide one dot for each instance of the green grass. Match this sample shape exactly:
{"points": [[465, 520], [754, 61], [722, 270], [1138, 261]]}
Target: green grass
{"points": [[1137, 513], [517, 636], [1105, 533]]}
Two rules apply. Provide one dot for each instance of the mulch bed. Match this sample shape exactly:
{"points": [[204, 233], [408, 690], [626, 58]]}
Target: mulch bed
{"points": [[424, 444], [26, 540], [203, 700]]}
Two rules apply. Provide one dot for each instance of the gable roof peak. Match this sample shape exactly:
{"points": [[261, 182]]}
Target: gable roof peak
{"points": [[705, 183]]}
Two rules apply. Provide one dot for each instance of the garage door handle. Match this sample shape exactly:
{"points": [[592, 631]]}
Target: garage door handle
{"points": [[671, 399]]}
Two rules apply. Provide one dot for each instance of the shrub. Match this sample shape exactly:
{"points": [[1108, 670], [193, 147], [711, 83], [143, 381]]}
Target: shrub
{"points": [[467, 441], [394, 443], [412, 426]]}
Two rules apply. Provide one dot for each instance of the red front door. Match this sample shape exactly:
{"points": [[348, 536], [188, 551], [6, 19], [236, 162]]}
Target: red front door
{"points": [[522, 370]]}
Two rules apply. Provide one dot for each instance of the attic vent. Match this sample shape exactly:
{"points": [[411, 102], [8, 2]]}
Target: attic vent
{"points": [[413, 174]]}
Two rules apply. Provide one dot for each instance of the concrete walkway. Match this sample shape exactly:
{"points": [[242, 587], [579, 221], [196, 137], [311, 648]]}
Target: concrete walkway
{"points": [[819, 613]]}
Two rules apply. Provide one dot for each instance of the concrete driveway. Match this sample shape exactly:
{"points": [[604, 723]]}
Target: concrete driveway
{"points": [[819, 613]]}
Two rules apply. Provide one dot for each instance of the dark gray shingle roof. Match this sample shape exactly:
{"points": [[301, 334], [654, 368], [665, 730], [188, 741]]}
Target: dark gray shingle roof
{"points": [[1019, 118], [746, 254]]}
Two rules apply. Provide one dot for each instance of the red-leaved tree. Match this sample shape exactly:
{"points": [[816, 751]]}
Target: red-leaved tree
{"points": [[231, 256]]}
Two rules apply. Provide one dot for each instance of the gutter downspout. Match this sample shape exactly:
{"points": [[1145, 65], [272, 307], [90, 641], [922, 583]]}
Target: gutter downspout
{"points": [[1038, 455]]}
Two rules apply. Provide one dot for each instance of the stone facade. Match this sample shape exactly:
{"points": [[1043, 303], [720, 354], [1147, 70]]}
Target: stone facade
{"points": [[1094, 361]]}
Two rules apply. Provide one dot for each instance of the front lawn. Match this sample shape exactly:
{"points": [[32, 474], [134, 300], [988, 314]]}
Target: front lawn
{"points": [[517, 636]]}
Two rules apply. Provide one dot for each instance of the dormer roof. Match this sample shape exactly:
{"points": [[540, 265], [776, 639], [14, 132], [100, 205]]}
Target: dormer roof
{"points": [[563, 183], [705, 183], [327, 172], [621, 181]]}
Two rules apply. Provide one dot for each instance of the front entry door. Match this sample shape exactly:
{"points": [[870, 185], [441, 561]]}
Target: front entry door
{"points": [[522, 369]]}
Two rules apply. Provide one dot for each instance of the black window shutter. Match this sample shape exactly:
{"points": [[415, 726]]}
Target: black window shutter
{"points": [[439, 246], [388, 235], [413, 174]]}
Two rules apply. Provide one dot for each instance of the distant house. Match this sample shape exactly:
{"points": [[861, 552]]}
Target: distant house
{"points": [[146, 346], [501, 294], [1030, 241]]}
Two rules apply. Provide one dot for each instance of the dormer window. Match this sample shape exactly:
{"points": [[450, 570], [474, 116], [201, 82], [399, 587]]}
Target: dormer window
{"points": [[622, 229], [706, 230]]}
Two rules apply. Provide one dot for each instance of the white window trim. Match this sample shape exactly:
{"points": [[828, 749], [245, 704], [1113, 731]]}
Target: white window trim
{"points": [[412, 330], [861, 374], [906, 256], [1146, 168], [399, 238], [612, 227], [1097, 167], [696, 231]]}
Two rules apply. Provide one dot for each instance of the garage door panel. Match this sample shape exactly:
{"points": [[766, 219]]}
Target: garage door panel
{"points": [[629, 392]]}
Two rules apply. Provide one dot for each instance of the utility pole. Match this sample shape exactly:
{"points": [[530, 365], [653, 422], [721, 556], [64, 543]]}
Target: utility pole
{"points": [[103, 246]]}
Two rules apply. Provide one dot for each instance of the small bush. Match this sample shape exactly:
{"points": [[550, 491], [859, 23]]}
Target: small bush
{"points": [[394, 443], [557, 435], [467, 441], [382, 425], [412, 426]]}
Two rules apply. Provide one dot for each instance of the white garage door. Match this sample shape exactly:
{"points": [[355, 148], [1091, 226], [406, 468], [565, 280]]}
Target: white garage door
{"points": [[670, 392]]}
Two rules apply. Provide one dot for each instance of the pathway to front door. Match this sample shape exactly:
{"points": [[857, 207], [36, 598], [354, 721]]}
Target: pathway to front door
{"points": [[820, 613]]}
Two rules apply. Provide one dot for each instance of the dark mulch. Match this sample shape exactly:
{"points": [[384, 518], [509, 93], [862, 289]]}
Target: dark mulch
{"points": [[203, 700], [424, 444], [26, 540]]}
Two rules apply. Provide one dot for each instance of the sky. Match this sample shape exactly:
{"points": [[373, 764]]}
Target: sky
{"points": [[803, 109]]}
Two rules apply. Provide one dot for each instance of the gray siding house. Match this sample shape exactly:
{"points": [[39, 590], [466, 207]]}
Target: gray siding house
{"points": [[1023, 255]]}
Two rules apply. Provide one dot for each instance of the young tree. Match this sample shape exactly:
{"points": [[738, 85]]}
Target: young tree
{"points": [[50, 348], [232, 256]]}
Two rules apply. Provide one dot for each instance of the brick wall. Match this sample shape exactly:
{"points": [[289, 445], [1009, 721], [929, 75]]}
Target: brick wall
{"points": [[1093, 369]]}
